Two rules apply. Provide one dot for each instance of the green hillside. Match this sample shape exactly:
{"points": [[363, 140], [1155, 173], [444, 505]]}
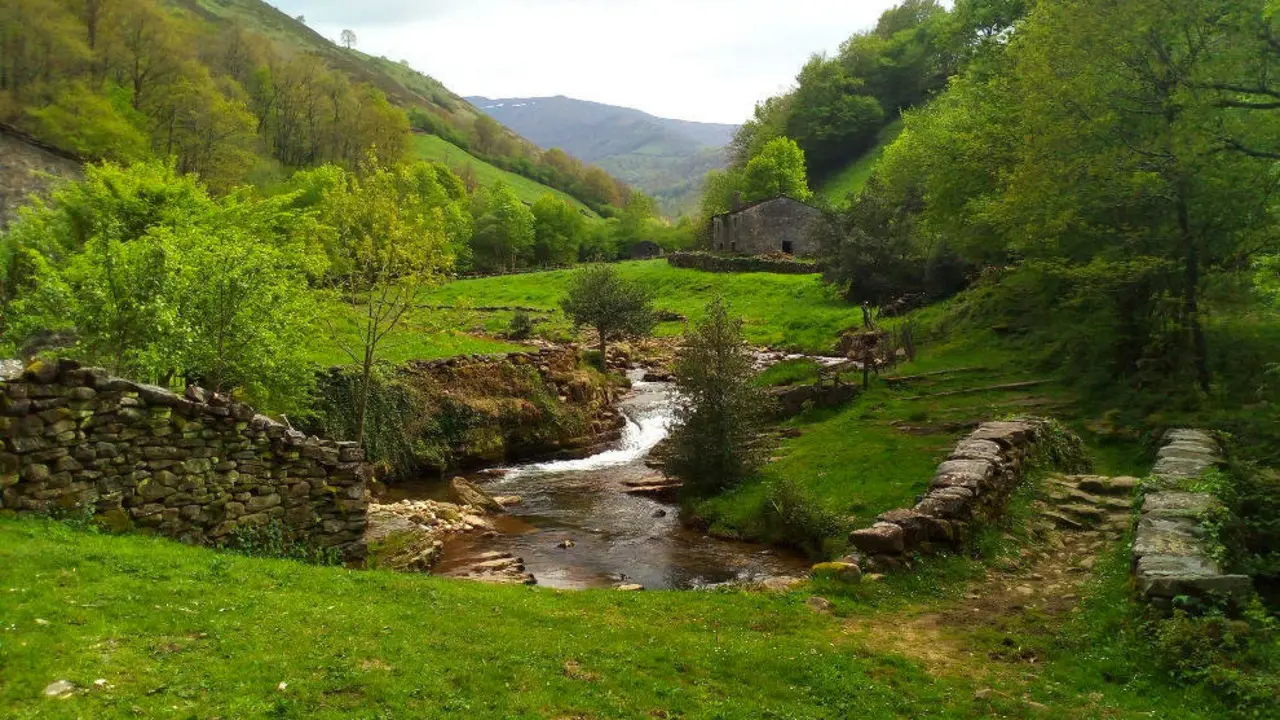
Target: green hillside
{"points": [[430, 147], [838, 188]]}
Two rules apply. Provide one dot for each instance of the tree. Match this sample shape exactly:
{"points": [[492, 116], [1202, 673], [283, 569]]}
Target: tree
{"points": [[387, 247], [779, 169], [616, 307], [831, 119], [504, 231], [348, 38], [720, 411], [558, 230]]}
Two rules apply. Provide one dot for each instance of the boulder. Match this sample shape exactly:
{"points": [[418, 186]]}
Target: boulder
{"points": [[842, 571], [466, 493], [881, 538]]}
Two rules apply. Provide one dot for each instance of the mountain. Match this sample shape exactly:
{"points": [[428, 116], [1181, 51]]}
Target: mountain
{"points": [[663, 157]]}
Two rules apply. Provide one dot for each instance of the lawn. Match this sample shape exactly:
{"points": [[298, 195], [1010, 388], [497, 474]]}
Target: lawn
{"points": [[430, 147], [785, 311], [879, 452], [850, 181], [178, 631]]}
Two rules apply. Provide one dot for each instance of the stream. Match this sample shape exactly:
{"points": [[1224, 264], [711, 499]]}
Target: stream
{"points": [[614, 538]]}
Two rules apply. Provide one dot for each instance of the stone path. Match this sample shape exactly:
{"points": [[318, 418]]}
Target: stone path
{"points": [[1173, 551], [1077, 518]]}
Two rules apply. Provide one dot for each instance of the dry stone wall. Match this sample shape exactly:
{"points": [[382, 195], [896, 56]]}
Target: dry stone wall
{"points": [[708, 262], [1173, 547], [972, 486], [195, 467]]}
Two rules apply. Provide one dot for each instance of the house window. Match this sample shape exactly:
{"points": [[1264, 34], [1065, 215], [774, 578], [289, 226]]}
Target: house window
{"points": [[788, 248]]}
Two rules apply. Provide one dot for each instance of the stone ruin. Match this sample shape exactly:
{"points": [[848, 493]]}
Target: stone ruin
{"points": [[195, 467]]}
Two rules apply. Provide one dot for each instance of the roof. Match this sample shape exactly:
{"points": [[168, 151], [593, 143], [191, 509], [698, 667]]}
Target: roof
{"points": [[750, 205]]}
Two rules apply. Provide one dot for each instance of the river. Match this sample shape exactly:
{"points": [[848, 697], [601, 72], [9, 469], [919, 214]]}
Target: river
{"points": [[613, 537]]}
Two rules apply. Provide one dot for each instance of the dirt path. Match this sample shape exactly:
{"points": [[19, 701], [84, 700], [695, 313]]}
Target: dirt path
{"points": [[1077, 517]]}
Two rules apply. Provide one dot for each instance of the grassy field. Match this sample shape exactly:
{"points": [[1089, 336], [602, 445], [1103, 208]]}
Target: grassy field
{"points": [[430, 147], [176, 631], [850, 181], [786, 311], [879, 451]]}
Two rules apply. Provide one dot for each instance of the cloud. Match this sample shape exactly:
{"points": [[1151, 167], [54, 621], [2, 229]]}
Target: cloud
{"points": [[708, 60]]}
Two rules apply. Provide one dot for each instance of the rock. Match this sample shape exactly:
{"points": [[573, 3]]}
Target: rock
{"points": [[659, 513], [881, 538], [466, 493], [842, 571], [983, 694], [781, 583], [565, 544], [629, 587], [819, 604], [61, 689], [508, 500], [1178, 504]]}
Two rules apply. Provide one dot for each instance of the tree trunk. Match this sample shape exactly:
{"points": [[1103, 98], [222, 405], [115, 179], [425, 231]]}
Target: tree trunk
{"points": [[1191, 296], [363, 405], [604, 365]]}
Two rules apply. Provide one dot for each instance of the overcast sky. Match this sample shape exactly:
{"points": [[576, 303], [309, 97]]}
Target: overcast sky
{"points": [[708, 60]]}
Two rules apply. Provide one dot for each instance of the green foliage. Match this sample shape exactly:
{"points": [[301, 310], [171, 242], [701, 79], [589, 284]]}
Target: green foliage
{"points": [[1238, 659], [504, 238], [598, 296], [793, 518], [714, 442], [829, 119], [92, 124], [788, 372], [521, 326], [779, 169], [163, 283], [274, 540], [558, 231]]}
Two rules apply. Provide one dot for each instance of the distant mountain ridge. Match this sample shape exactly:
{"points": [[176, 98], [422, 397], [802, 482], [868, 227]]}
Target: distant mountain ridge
{"points": [[664, 157]]}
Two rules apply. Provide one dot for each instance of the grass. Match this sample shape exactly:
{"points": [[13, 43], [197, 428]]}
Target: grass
{"points": [[879, 452], [426, 334], [785, 311], [430, 147], [850, 181], [176, 630]]}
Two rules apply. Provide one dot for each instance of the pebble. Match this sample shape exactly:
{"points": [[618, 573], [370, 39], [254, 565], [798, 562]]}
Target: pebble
{"points": [[819, 604], [566, 544]]}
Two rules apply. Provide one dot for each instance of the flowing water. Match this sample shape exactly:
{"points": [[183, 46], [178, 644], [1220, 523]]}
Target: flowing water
{"points": [[615, 537]]}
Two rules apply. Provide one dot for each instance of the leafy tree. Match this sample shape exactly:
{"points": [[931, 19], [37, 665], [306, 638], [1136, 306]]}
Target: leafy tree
{"points": [[616, 307], [388, 246], [504, 231], [779, 169], [558, 231], [720, 411], [831, 120], [94, 125], [161, 282]]}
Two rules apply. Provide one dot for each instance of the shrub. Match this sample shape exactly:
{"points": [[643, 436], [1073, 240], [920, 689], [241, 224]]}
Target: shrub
{"points": [[521, 326], [795, 519], [1238, 659]]}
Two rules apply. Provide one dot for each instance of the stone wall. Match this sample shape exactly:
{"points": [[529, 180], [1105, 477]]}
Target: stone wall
{"points": [[28, 167], [728, 264], [776, 225], [1172, 549], [972, 486], [195, 467]]}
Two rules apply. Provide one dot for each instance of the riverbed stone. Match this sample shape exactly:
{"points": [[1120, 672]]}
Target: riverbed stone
{"points": [[881, 538]]}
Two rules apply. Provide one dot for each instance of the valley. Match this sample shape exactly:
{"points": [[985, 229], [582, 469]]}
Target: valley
{"points": [[944, 385]]}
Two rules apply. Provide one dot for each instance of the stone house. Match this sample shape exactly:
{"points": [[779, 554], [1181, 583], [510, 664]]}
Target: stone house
{"points": [[645, 249], [779, 224]]}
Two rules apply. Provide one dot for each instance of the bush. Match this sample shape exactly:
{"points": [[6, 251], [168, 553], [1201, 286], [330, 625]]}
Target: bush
{"points": [[521, 326], [715, 441], [1238, 659], [795, 519]]}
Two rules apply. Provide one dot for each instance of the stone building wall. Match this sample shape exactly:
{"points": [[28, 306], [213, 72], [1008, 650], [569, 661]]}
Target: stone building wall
{"points": [[194, 467], [708, 262], [26, 168], [771, 226], [973, 485]]}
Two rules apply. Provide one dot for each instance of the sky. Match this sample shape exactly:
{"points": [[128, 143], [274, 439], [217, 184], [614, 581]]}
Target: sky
{"points": [[707, 60]]}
